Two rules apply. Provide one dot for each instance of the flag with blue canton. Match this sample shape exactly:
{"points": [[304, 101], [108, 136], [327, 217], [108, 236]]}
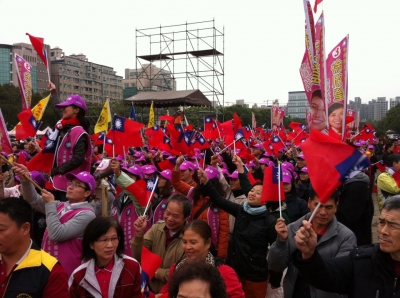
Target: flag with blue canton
{"points": [[330, 163], [43, 160], [132, 114]]}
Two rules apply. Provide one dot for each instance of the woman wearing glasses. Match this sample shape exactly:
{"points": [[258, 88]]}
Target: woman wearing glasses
{"points": [[106, 272], [65, 221]]}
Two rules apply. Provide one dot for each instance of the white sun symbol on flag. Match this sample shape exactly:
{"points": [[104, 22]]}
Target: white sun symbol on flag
{"points": [[34, 122], [150, 184], [118, 124], [49, 145]]}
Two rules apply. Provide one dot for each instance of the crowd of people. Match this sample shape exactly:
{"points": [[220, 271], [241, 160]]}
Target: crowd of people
{"points": [[210, 225]]}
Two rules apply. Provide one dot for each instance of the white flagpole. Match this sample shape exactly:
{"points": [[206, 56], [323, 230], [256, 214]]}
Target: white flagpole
{"points": [[279, 190], [151, 194]]}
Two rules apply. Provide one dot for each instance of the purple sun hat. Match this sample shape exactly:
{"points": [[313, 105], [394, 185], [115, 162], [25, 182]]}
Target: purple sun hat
{"points": [[85, 177], [75, 100]]}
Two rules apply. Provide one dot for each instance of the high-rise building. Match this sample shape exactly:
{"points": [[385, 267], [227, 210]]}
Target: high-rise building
{"points": [[8, 73], [149, 78], [364, 112], [377, 108], [76, 74], [394, 102], [297, 104]]}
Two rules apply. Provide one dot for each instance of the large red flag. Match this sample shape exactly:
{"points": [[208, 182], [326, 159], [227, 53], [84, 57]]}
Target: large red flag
{"points": [[4, 138], [38, 45], [150, 262], [139, 190], [126, 133], [272, 184], [330, 162], [28, 123], [316, 4]]}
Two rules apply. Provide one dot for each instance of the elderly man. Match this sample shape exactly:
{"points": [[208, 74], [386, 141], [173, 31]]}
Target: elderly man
{"points": [[333, 239], [368, 271], [25, 270]]}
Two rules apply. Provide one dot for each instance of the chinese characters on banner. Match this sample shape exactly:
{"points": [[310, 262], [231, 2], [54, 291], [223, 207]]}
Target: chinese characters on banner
{"points": [[336, 93], [277, 117], [24, 80]]}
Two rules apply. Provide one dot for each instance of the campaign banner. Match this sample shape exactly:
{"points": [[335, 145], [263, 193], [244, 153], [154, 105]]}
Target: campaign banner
{"points": [[277, 115], [319, 58], [351, 115], [24, 80], [4, 138], [336, 84]]}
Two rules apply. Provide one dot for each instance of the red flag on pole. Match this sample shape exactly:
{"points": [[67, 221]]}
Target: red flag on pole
{"points": [[38, 45], [316, 4]]}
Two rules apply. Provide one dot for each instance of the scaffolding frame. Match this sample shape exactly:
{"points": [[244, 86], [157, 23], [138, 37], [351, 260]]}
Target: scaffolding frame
{"points": [[185, 52]]}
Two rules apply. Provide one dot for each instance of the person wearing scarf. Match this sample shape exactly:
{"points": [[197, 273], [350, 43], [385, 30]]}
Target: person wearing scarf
{"points": [[73, 152], [253, 232], [197, 245]]}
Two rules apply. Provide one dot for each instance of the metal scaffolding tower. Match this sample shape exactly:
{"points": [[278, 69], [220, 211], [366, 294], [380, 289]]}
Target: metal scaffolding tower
{"points": [[182, 57]]}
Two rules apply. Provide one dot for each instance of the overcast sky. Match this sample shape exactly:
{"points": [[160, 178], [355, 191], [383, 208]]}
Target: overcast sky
{"points": [[264, 40]]}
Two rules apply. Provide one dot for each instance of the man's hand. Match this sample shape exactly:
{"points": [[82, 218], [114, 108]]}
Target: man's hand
{"points": [[116, 167], [281, 229], [306, 240], [140, 226], [47, 196]]}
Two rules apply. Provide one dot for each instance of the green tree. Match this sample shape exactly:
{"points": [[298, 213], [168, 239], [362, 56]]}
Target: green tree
{"points": [[392, 119]]}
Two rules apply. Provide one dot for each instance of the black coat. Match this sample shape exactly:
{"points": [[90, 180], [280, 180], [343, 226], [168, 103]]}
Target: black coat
{"points": [[296, 207], [366, 272], [248, 246], [356, 208]]}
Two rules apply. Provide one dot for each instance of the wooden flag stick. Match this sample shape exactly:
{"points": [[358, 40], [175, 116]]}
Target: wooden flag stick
{"points": [[25, 176]]}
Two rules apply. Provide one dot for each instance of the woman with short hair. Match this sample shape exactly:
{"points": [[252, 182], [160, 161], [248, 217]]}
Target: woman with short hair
{"points": [[107, 272]]}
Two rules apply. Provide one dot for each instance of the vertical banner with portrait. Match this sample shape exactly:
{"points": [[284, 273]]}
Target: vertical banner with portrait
{"points": [[312, 72], [337, 86], [277, 115]]}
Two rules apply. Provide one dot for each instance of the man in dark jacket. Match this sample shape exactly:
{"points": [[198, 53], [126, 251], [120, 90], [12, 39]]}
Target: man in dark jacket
{"points": [[369, 271], [355, 209]]}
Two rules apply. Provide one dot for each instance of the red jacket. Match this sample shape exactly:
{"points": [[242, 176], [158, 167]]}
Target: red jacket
{"points": [[232, 283], [223, 234], [125, 279]]}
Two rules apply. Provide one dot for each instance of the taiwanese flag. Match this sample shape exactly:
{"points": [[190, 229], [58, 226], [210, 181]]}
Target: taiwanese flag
{"points": [[249, 176], [38, 45], [272, 184], [126, 133], [28, 126], [165, 164], [178, 139], [150, 262], [366, 133], [167, 118], [396, 177], [201, 142], [316, 4], [278, 144], [226, 129], [43, 160], [155, 136], [139, 190], [297, 127], [381, 166], [268, 147], [237, 122], [208, 123], [330, 162]]}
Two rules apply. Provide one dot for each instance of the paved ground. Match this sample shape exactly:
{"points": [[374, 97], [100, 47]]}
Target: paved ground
{"points": [[375, 219]]}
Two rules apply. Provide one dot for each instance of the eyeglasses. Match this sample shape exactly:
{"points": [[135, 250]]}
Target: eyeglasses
{"points": [[75, 184], [104, 241]]}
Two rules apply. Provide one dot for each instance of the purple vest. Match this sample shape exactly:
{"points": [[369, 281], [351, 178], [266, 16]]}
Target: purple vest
{"points": [[68, 253], [65, 152], [127, 218], [160, 210]]}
